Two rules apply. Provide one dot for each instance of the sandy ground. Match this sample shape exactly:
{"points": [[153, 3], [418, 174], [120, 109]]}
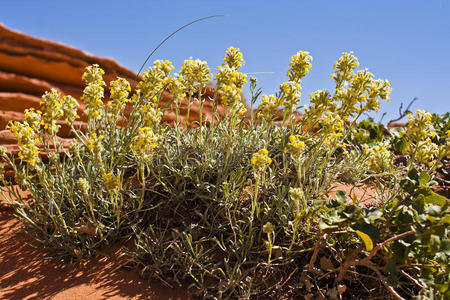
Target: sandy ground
{"points": [[25, 274]]}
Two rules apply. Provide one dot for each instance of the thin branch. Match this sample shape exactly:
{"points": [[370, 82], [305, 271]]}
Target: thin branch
{"points": [[310, 266], [383, 280], [381, 245], [415, 281], [404, 112]]}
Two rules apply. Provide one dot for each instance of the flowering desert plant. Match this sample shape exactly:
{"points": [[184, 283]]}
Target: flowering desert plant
{"points": [[240, 207]]}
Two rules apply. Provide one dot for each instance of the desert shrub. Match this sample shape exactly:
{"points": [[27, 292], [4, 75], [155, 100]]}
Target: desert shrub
{"points": [[239, 205]]}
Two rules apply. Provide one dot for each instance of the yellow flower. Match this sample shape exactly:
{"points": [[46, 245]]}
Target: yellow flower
{"points": [[233, 58], [69, 107], [268, 228], [299, 66], [379, 158], [112, 182], [230, 95], [268, 107], [291, 94], [195, 73], [94, 143], [296, 146], [93, 93], [260, 160], [119, 90], [420, 127], [33, 119], [145, 142], [152, 114], [94, 75], [344, 68]]}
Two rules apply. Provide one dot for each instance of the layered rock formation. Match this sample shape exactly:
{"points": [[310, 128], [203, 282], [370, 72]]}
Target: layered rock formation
{"points": [[30, 66]]}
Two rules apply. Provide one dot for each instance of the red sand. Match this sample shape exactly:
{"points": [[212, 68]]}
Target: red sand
{"points": [[24, 274]]}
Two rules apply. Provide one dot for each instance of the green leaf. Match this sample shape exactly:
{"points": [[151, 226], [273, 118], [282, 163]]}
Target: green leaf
{"points": [[366, 239], [413, 175], [391, 267], [368, 229], [445, 219], [424, 178], [372, 215], [445, 247], [325, 226], [340, 195], [435, 242], [436, 199]]}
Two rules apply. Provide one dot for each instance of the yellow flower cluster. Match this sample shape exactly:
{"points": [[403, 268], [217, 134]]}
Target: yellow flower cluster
{"points": [[238, 110], [119, 90], [230, 81], [426, 151], [56, 108], [268, 228], [230, 95], [112, 182], [357, 92], [268, 107], [175, 84], [260, 160], [145, 142], [94, 75], [362, 94], [26, 141], [154, 78], [33, 118], [69, 107], [51, 105], [296, 195], [379, 158], [229, 76], [93, 93], [195, 73], [344, 68], [299, 66], [291, 94], [296, 146], [321, 102], [163, 67], [420, 127], [94, 143], [83, 186], [152, 114], [233, 58]]}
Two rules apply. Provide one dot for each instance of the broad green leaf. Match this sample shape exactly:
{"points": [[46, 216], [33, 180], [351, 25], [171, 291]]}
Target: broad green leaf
{"points": [[435, 242], [373, 215], [445, 219], [431, 219], [340, 195], [413, 174], [391, 267], [372, 231], [366, 239], [325, 226], [424, 178], [436, 199]]}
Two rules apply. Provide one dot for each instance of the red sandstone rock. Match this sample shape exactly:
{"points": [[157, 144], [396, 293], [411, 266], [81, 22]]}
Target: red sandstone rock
{"points": [[30, 66]]}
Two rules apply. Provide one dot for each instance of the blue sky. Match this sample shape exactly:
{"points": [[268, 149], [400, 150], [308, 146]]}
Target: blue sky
{"points": [[406, 42]]}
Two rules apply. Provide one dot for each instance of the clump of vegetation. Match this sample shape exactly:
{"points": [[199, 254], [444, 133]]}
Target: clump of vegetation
{"points": [[240, 208]]}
